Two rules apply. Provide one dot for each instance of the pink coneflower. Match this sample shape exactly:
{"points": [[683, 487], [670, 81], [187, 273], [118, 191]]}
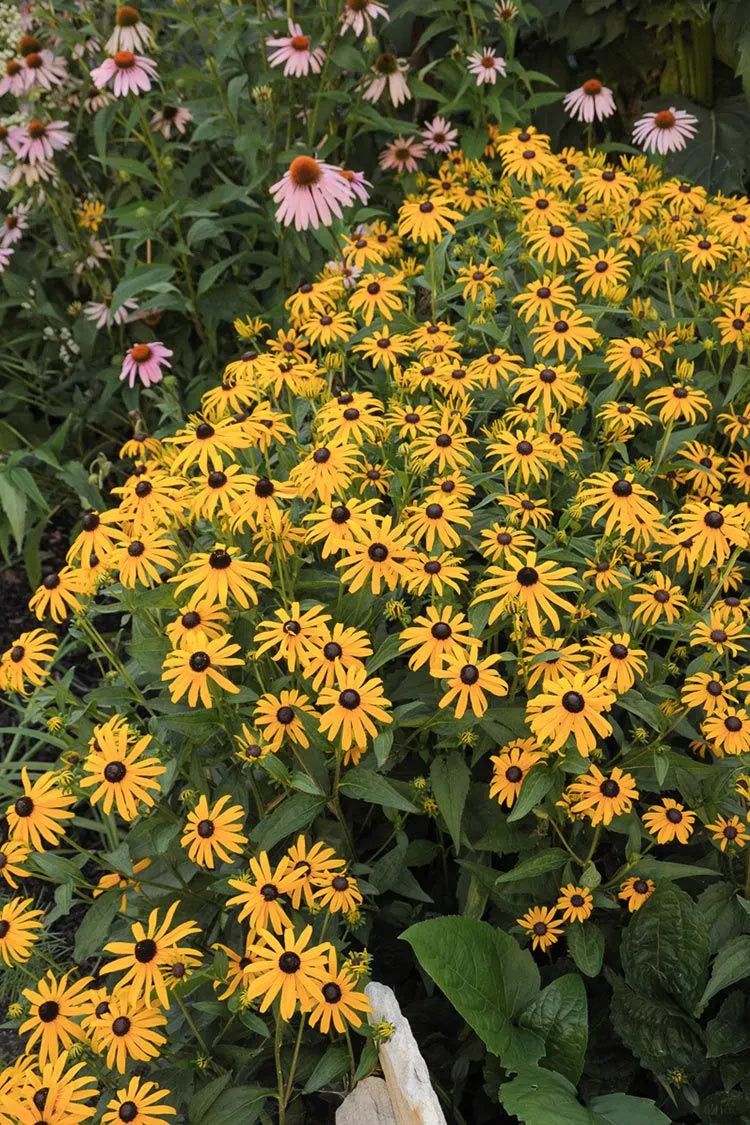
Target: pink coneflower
{"points": [[127, 73], [357, 183], [102, 316], [669, 130], [6, 253], [310, 193], [42, 70], [293, 50], [485, 66], [439, 135], [96, 101], [14, 80], [389, 71], [39, 140], [359, 14], [23, 171], [14, 224], [349, 272], [130, 34], [170, 116], [144, 362], [4, 131], [401, 155], [590, 102]]}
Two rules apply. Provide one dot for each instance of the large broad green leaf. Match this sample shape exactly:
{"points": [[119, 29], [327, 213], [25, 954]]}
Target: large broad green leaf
{"points": [[295, 814], [487, 977], [622, 1109], [239, 1103], [664, 950], [542, 1097], [551, 860], [586, 947], [95, 925], [728, 1032], [657, 1033], [450, 778], [732, 964], [560, 1015], [366, 785], [140, 280]]}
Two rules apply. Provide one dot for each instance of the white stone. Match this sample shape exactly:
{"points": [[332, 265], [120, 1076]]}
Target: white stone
{"points": [[413, 1099], [368, 1104]]}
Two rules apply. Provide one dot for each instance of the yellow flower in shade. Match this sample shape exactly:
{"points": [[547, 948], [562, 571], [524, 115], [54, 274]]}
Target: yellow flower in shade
{"points": [[571, 330], [635, 891], [55, 1006], [728, 732], [510, 767], [556, 243], [192, 671], [435, 573], [18, 930], [295, 636], [128, 1031], [715, 530], [125, 883], [658, 599], [26, 661], [576, 904], [434, 523], [57, 595], [469, 684], [199, 624], [549, 658], [632, 358], [350, 710], [721, 635], [376, 554], [734, 325], [140, 1101], [678, 403], [326, 471], [214, 831], [542, 300], [427, 220], [154, 946], [56, 1091], [13, 856], [438, 635], [335, 650], [447, 448], [624, 504], [36, 819], [314, 864], [729, 832], [259, 898], [669, 821], [571, 706], [602, 797], [709, 691], [532, 586], [337, 1002], [543, 926], [378, 294], [291, 969], [236, 975], [477, 280], [602, 272], [527, 511], [215, 576], [209, 445], [122, 776], [278, 717], [98, 536], [615, 662], [335, 524]]}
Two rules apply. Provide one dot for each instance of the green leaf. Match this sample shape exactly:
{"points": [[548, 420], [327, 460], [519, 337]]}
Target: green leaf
{"points": [[622, 1109], [295, 814], [329, 1067], [240, 1103], [14, 504], [139, 281], [214, 273], [665, 947], [560, 1015], [657, 1032], [732, 964], [586, 946], [728, 1032], [95, 925], [535, 786], [550, 860], [450, 777], [487, 977], [542, 1097], [200, 1103], [366, 785]]}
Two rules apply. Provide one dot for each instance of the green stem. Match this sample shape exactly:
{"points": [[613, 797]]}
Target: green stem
{"points": [[295, 1057]]}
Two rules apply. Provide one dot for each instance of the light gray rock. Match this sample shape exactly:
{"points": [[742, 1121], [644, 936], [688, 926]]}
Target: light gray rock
{"points": [[413, 1099], [368, 1104]]}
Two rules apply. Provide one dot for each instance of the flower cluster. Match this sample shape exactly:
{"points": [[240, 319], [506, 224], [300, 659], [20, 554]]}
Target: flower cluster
{"points": [[485, 490]]}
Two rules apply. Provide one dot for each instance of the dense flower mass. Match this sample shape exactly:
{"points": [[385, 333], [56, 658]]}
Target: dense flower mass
{"points": [[448, 560]]}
